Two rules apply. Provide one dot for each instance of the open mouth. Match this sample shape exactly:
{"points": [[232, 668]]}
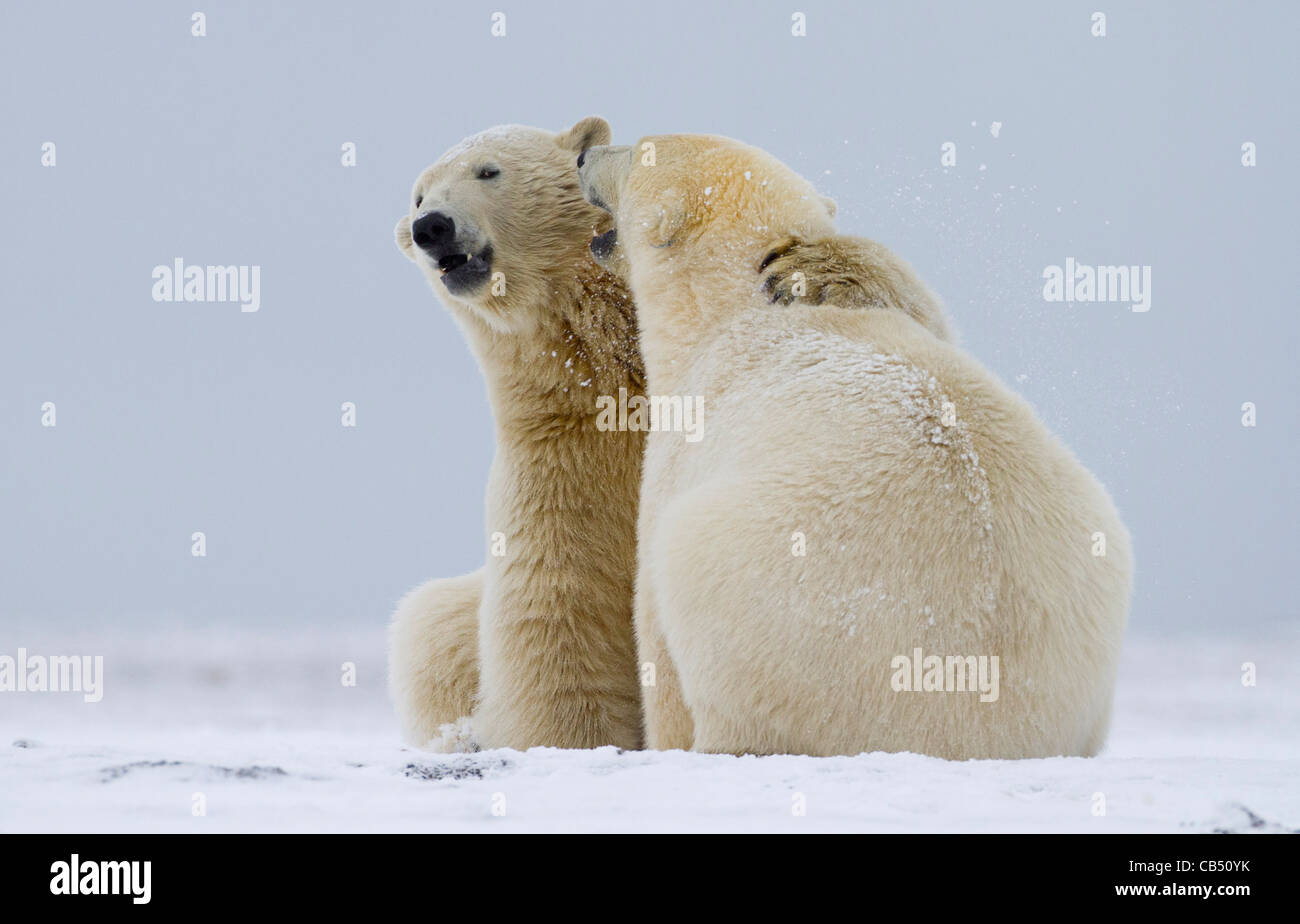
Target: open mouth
{"points": [[462, 273], [451, 262], [602, 245]]}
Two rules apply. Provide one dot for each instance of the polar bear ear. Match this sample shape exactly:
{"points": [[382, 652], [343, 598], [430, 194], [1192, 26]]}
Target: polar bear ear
{"points": [[588, 133], [664, 219], [831, 207]]}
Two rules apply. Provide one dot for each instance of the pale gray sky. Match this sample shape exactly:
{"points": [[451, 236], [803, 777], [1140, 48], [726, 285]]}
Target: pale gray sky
{"points": [[177, 417]]}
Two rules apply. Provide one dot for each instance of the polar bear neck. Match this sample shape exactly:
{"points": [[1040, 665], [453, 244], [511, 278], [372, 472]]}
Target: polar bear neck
{"points": [[584, 345], [677, 321]]}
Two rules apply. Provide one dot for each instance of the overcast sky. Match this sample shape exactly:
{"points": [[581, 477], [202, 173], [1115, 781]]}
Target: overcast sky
{"points": [[174, 418]]}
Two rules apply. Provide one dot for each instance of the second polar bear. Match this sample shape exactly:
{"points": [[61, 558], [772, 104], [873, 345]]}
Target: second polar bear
{"points": [[875, 545]]}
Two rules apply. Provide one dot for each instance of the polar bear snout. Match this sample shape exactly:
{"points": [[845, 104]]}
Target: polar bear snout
{"points": [[602, 245], [464, 262], [588, 181], [433, 232], [600, 171]]}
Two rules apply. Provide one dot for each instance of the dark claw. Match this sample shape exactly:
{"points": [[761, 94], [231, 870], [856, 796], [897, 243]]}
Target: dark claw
{"points": [[767, 261]]}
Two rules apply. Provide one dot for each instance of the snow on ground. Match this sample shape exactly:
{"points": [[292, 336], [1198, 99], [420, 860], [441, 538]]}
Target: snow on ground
{"points": [[267, 733]]}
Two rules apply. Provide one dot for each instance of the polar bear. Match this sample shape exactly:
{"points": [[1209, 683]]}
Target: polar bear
{"points": [[875, 545], [537, 645]]}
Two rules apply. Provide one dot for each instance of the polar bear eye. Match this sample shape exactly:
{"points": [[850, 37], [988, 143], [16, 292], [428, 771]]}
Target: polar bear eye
{"points": [[418, 200], [486, 173]]}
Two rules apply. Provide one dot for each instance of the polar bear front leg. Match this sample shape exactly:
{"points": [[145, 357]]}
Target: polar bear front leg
{"points": [[668, 723], [433, 671], [555, 673]]}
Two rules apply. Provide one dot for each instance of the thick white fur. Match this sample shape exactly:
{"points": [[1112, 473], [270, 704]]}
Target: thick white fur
{"points": [[974, 538], [433, 655], [538, 643]]}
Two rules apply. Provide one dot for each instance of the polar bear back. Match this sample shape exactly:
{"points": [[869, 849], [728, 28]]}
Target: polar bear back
{"points": [[937, 513]]}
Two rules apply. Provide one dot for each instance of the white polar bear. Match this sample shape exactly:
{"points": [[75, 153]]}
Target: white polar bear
{"points": [[866, 499], [537, 645]]}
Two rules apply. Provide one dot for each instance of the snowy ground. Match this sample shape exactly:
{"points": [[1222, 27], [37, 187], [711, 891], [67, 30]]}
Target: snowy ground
{"points": [[275, 742]]}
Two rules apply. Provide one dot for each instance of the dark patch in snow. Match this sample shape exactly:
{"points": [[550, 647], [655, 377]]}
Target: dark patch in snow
{"points": [[468, 768], [109, 774], [24, 743], [1255, 823]]}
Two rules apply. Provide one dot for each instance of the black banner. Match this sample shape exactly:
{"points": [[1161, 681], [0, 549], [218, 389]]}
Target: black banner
{"points": [[936, 873]]}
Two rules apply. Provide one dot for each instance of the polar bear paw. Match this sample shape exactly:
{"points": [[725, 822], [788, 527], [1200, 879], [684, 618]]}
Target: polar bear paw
{"points": [[827, 271], [848, 272], [454, 738]]}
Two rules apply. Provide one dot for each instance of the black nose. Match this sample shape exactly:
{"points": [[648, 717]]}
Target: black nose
{"points": [[582, 157], [433, 231]]}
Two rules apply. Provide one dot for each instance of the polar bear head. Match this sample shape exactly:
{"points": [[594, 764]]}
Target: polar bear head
{"points": [[695, 214], [500, 218]]}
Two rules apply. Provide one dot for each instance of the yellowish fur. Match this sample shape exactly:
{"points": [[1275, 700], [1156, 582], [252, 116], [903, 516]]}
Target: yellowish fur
{"points": [[554, 663], [938, 513], [538, 643]]}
